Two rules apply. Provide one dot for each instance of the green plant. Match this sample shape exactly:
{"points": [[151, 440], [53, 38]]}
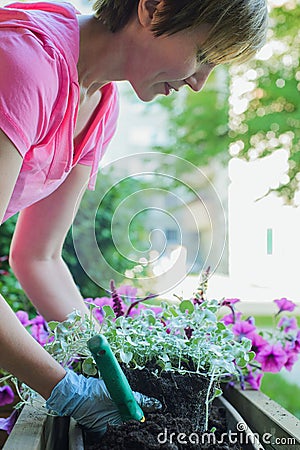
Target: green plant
{"points": [[185, 337]]}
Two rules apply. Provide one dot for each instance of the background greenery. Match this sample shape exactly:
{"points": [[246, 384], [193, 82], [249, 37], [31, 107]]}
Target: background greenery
{"points": [[201, 128], [281, 391], [111, 190]]}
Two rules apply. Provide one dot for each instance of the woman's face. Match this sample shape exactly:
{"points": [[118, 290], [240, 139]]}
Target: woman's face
{"points": [[165, 63]]}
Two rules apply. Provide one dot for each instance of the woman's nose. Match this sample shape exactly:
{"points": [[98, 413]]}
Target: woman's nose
{"points": [[199, 78]]}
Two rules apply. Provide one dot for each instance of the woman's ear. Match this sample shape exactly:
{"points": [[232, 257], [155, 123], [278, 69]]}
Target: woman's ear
{"points": [[146, 11]]}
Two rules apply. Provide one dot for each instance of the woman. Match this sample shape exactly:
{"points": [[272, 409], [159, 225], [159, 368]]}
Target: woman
{"points": [[58, 110]]}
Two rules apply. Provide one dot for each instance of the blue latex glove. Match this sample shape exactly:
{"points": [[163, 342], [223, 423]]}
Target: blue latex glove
{"points": [[88, 401]]}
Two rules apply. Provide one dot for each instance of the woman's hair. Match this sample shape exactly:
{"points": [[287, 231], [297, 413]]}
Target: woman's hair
{"points": [[238, 26]]}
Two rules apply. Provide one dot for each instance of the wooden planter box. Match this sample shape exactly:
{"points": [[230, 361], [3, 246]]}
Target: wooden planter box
{"points": [[277, 428], [263, 423]]}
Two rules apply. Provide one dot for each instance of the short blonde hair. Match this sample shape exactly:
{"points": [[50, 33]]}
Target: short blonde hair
{"points": [[238, 26]]}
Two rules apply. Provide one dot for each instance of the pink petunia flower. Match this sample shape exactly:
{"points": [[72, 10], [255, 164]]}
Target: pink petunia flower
{"points": [[258, 342], [297, 342], [272, 358], [288, 324], [23, 318], [285, 305], [6, 395], [254, 379], [128, 293], [39, 333], [136, 309], [38, 330], [99, 302], [229, 319], [156, 309], [38, 320], [292, 359], [243, 328], [230, 301]]}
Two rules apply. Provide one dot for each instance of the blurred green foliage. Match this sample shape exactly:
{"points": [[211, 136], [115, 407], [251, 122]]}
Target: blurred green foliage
{"points": [[198, 127], [283, 392], [271, 120], [202, 126], [9, 286], [112, 195], [107, 212]]}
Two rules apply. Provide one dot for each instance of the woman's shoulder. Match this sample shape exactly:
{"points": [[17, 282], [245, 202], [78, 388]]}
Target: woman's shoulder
{"points": [[52, 25]]}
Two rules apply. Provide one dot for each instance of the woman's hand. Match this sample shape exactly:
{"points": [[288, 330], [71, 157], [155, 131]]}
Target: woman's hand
{"points": [[88, 401]]}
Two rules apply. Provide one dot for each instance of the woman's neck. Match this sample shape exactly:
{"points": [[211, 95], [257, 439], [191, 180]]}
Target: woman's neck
{"points": [[101, 55]]}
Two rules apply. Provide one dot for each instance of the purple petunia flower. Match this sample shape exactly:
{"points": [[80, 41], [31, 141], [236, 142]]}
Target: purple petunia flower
{"points": [[243, 328], [127, 292], [136, 309], [23, 318], [285, 305], [272, 358], [254, 379], [99, 302], [8, 423], [288, 324], [156, 309], [39, 333], [258, 342], [229, 319], [297, 342], [38, 330], [38, 320], [292, 358], [6, 395], [230, 301]]}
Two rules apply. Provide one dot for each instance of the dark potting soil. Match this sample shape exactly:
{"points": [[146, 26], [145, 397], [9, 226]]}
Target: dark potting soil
{"points": [[173, 428], [162, 432]]}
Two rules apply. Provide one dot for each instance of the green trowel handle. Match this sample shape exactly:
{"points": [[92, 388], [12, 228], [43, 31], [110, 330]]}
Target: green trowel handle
{"points": [[114, 379]]}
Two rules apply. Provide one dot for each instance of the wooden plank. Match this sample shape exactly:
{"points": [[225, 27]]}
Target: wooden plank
{"points": [[277, 427], [56, 434], [28, 432], [239, 431], [35, 430], [75, 436]]}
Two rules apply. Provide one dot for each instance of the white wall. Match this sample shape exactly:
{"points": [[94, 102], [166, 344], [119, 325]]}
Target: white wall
{"points": [[251, 262]]}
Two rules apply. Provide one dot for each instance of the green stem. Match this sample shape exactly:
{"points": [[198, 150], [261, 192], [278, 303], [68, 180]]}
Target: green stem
{"points": [[179, 360], [7, 377], [207, 398]]}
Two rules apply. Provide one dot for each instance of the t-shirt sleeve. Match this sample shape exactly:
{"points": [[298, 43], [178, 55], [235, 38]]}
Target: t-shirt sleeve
{"points": [[29, 87]]}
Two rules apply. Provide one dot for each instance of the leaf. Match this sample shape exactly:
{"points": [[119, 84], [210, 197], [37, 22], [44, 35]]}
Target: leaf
{"points": [[173, 311], [52, 325], [151, 320], [217, 393], [126, 357], [89, 366], [186, 305], [131, 342], [108, 311], [221, 326], [251, 355]]}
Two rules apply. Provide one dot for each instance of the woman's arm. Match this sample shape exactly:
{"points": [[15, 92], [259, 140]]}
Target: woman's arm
{"points": [[20, 354], [85, 399], [37, 246]]}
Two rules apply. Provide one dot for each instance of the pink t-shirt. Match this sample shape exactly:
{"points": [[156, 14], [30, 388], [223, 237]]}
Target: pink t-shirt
{"points": [[39, 98]]}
